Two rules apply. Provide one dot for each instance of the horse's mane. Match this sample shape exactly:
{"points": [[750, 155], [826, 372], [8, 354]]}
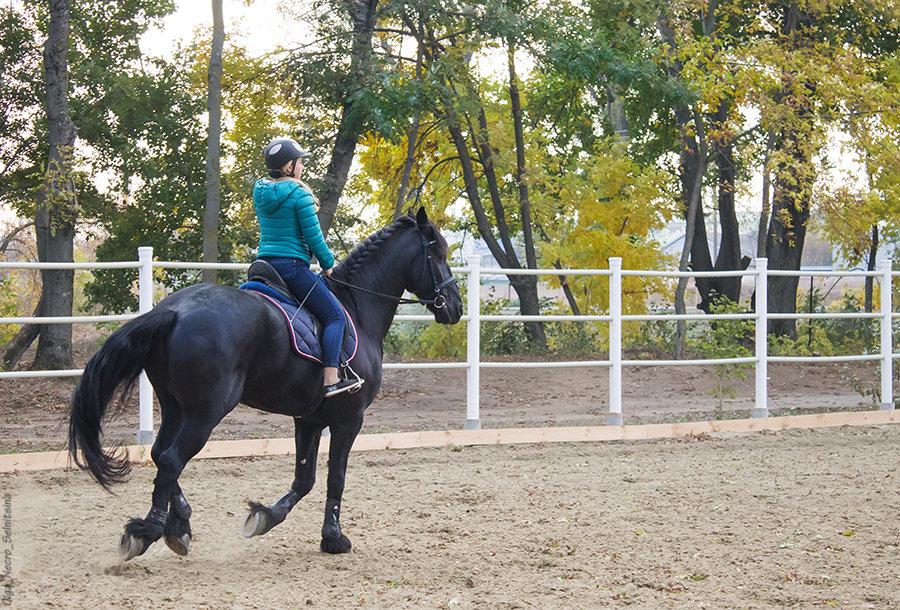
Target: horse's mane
{"points": [[373, 244]]}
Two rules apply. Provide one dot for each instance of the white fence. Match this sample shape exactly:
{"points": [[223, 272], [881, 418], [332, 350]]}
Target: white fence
{"points": [[474, 318]]}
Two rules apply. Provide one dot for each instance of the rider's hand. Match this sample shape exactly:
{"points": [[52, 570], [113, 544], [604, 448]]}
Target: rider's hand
{"points": [[326, 272]]}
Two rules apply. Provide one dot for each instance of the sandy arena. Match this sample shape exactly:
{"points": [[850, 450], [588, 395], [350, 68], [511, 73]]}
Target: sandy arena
{"points": [[800, 518], [793, 519]]}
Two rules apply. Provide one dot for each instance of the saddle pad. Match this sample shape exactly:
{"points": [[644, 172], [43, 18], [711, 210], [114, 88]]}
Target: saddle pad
{"points": [[305, 336]]}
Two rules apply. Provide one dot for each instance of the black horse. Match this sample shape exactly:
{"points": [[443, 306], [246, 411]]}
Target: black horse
{"points": [[207, 348]]}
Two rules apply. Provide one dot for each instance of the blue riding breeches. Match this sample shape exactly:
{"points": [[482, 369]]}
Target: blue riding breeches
{"points": [[320, 301]]}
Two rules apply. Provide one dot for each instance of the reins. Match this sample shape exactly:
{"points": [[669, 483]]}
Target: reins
{"points": [[439, 301]]}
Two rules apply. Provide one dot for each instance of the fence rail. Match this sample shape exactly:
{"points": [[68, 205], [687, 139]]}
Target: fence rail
{"points": [[474, 318]]}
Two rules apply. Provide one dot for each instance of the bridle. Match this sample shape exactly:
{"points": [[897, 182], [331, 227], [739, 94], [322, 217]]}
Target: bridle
{"points": [[439, 301]]}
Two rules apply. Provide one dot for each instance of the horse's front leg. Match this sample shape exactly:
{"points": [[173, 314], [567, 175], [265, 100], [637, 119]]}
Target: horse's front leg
{"points": [[263, 518], [333, 540]]}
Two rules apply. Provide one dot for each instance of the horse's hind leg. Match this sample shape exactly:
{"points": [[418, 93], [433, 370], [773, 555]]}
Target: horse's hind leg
{"points": [[263, 518], [177, 531], [170, 461], [141, 533]]}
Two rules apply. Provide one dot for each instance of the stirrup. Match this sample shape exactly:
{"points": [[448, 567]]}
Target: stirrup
{"points": [[343, 385], [356, 375]]}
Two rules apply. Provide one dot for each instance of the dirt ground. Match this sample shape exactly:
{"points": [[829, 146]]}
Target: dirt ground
{"points": [[796, 519], [34, 411]]}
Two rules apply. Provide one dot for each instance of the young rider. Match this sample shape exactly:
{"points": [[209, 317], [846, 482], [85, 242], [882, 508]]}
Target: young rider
{"points": [[290, 234]]}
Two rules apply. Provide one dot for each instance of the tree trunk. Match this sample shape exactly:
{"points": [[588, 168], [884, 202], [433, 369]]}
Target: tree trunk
{"points": [[695, 250], [497, 235], [213, 146], [693, 166], [521, 182], [12, 236], [766, 201], [787, 233], [870, 281], [411, 140], [525, 286], [567, 291], [729, 255], [23, 339], [535, 329], [56, 209], [352, 121]]}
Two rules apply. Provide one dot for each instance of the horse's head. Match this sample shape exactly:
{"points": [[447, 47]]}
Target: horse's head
{"points": [[430, 277]]}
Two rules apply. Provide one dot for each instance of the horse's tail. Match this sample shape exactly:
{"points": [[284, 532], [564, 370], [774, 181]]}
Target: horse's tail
{"points": [[116, 365]]}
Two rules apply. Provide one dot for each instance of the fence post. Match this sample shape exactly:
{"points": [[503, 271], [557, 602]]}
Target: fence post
{"points": [[145, 435], [473, 345], [887, 343], [614, 418], [762, 336]]}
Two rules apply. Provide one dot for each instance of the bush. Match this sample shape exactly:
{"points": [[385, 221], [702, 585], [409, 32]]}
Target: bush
{"points": [[854, 336], [8, 309], [652, 336], [830, 337], [425, 340], [502, 338], [726, 339]]}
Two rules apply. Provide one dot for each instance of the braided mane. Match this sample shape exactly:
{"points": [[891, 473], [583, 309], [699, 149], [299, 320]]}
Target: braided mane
{"points": [[373, 244]]}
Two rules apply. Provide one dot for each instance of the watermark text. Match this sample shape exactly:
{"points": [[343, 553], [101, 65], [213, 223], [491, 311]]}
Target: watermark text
{"points": [[6, 580]]}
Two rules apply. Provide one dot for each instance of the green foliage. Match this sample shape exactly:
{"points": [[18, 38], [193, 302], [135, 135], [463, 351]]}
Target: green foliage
{"points": [[854, 335], [726, 339], [651, 338], [162, 148], [21, 149], [8, 308], [596, 190], [832, 336], [576, 338], [409, 339], [501, 338], [425, 340]]}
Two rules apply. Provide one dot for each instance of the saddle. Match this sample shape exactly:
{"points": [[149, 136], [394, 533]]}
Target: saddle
{"points": [[264, 273], [307, 330]]}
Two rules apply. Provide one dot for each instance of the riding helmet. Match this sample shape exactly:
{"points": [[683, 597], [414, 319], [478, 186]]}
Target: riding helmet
{"points": [[280, 151]]}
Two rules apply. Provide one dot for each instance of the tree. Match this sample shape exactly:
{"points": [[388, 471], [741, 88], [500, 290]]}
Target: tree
{"points": [[700, 50], [858, 220], [852, 225], [56, 210], [827, 58], [346, 31], [39, 174], [152, 140], [797, 139], [541, 184], [22, 150], [213, 146]]}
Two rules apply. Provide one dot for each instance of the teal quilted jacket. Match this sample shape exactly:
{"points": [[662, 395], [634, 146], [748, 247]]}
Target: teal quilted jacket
{"points": [[288, 225]]}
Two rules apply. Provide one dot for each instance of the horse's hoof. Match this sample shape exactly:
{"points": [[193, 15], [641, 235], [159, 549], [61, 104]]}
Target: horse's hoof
{"points": [[337, 546], [255, 524], [131, 546], [179, 545]]}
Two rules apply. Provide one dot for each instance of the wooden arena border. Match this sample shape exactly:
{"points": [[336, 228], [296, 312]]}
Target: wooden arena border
{"points": [[140, 454]]}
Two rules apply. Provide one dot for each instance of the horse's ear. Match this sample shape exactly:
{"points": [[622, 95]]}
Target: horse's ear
{"points": [[421, 217]]}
